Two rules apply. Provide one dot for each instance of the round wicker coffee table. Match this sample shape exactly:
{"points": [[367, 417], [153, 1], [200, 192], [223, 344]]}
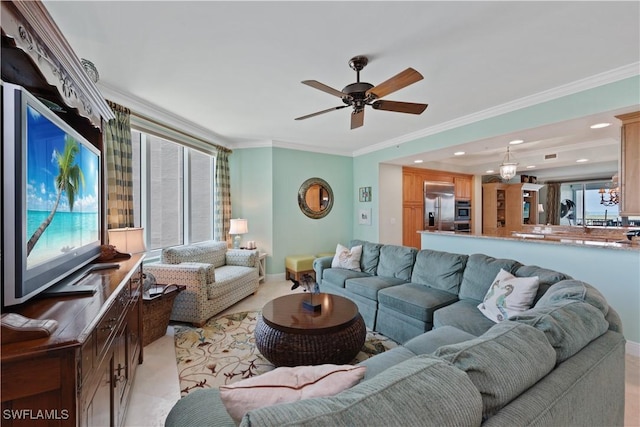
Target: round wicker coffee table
{"points": [[288, 334]]}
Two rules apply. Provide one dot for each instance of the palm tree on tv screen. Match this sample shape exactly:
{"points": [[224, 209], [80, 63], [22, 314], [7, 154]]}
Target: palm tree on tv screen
{"points": [[69, 179]]}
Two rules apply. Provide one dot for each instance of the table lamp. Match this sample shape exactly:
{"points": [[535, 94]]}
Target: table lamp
{"points": [[237, 228], [127, 240]]}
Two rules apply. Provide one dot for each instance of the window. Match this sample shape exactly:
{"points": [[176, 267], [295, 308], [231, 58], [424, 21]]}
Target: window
{"points": [[173, 191], [581, 205]]}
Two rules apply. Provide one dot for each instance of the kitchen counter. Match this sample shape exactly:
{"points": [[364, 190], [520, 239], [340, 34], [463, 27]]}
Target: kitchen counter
{"points": [[554, 239], [613, 268]]}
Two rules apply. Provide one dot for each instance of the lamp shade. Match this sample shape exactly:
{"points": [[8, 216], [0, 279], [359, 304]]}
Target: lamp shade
{"points": [[128, 240], [239, 226]]}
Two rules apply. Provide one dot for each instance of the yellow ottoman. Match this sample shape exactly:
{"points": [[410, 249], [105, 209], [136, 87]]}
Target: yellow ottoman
{"points": [[297, 265]]}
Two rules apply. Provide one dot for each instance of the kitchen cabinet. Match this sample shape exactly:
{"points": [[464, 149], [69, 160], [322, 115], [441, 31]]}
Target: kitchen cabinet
{"points": [[507, 207], [81, 374], [413, 221], [494, 209], [522, 205], [462, 187], [413, 198], [629, 176]]}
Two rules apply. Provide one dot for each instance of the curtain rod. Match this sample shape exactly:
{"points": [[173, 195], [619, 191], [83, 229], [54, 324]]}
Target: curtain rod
{"points": [[217, 146], [115, 106]]}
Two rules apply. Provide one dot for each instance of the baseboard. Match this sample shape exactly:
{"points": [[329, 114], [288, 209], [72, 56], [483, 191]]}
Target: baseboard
{"points": [[280, 277]]}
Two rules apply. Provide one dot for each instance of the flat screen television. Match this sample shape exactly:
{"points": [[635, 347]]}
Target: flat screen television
{"points": [[51, 198]]}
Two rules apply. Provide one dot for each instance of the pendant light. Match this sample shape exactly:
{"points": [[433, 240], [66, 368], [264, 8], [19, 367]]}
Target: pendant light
{"points": [[508, 167]]}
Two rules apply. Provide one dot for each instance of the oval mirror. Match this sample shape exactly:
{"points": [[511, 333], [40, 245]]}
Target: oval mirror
{"points": [[315, 198]]}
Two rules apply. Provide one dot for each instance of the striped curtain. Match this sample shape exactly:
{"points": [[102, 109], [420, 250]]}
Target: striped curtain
{"points": [[222, 209], [117, 149], [552, 207]]}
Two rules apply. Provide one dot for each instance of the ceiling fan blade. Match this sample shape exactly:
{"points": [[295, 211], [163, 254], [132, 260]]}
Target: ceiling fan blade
{"points": [[397, 82], [357, 118], [400, 107], [323, 87], [321, 112]]}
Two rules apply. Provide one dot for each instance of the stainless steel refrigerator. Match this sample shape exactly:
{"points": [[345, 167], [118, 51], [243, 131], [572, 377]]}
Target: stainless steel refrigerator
{"points": [[439, 206]]}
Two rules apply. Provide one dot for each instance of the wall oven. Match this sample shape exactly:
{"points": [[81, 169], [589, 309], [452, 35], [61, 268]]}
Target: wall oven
{"points": [[463, 210]]}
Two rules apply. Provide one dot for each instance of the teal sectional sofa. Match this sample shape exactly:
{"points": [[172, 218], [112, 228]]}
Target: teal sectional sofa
{"points": [[560, 362]]}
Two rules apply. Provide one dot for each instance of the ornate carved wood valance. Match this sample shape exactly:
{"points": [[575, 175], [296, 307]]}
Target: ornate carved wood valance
{"points": [[31, 27]]}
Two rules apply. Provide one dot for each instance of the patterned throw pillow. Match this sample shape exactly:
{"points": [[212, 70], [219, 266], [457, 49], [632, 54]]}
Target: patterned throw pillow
{"points": [[508, 295], [345, 258]]}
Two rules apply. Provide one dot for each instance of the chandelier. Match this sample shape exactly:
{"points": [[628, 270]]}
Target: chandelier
{"points": [[613, 198], [508, 167], [612, 192]]}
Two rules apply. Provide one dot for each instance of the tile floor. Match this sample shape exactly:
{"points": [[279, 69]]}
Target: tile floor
{"points": [[156, 389]]}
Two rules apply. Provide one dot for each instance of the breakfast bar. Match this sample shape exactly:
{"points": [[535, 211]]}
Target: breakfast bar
{"points": [[612, 267]]}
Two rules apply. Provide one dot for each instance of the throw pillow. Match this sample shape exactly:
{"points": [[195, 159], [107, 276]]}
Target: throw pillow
{"points": [[508, 295], [284, 385], [347, 258]]}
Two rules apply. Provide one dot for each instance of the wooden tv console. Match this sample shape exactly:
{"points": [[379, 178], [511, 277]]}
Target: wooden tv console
{"points": [[81, 375]]}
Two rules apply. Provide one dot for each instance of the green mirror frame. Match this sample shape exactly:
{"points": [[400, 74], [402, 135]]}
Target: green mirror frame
{"points": [[325, 198]]}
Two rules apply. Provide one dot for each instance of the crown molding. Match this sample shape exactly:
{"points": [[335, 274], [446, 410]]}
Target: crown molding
{"points": [[587, 83], [143, 107], [288, 145]]}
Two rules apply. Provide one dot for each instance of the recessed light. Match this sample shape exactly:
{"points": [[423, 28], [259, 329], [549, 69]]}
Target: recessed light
{"points": [[418, 161], [489, 171], [531, 166], [582, 160], [516, 142], [600, 125], [458, 153]]}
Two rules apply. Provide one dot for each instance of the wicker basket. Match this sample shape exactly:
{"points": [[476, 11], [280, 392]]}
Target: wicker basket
{"points": [[156, 312]]}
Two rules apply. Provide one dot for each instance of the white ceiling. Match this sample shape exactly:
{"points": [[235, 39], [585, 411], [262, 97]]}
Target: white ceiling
{"points": [[234, 68]]}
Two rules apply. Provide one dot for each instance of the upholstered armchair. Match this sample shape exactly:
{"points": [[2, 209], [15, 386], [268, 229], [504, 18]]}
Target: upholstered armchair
{"points": [[215, 278]]}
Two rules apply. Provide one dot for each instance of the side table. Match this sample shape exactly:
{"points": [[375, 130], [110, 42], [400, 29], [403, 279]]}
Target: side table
{"points": [[262, 267]]}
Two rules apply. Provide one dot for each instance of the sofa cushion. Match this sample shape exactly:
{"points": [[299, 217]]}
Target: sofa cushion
{"points": [[508, 295], [209, 268], [431, 340], [417, 301], [423, 391], [545, 276], [338, 276], [502, 363], [202, 408], [370, 255], [383, 361], [479, 274], [574, 290], [209, 252], [347, 258], [568, 325], [439, 270], [286, 384], [368, 287], [242, 257], [396, 261], [464, 315]]}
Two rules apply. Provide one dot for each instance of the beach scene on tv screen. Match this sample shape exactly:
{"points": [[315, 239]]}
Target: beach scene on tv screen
{"points": [[62, 191]]}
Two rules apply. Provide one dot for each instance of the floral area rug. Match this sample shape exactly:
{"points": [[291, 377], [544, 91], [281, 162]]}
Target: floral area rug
{"points": [[223, 351]]}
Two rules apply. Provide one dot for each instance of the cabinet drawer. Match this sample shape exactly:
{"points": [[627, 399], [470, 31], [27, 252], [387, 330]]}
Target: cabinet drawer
{"points": [[110, 321]]}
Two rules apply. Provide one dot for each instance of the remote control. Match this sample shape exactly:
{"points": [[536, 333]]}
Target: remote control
{"points": [[104, 266]]}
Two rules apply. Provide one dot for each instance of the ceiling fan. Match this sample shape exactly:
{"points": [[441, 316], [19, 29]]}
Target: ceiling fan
{"points": [[359, 94]]}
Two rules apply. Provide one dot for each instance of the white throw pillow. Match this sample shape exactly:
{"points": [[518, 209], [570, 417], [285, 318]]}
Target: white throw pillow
{"points": [[284, 385], [508, 295], [345, 258]]}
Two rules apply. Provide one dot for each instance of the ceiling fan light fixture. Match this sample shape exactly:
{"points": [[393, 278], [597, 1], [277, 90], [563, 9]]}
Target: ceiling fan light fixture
{"points": [[508, 167]]}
